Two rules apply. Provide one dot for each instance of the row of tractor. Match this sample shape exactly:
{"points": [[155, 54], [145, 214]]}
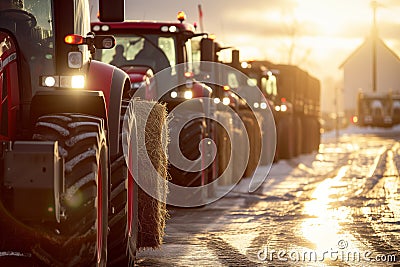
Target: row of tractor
{"points": [[277, 106], [95, 118]]}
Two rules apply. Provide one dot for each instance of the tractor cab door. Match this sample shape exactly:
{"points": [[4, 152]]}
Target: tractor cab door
{"points": [[9, 88]]}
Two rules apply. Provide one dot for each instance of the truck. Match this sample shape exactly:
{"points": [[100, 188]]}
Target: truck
{"points": [[375, 109], [66, 195], [163, 50]]}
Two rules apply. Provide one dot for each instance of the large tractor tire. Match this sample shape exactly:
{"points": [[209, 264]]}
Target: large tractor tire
{"points": [[122, 244], [189, 144], [308, 135], [317, 131], [298, 136], [285, 140], [189, 140], [84, 226]]}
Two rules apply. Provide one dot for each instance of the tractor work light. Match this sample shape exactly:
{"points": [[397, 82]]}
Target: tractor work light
{"points": [[75, 60], [75, 81], [217, 100], [167, 28], [256, 105], [278, 108], [96, 28], [283, 108]]}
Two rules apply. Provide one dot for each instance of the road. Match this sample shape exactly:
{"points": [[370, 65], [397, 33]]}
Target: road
{"points": [[337, 207]]}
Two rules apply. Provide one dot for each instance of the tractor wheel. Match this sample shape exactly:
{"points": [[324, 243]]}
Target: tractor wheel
{"points": [[298, 133], [84, 224], [285, 140], [122, 239], [189, 139]]}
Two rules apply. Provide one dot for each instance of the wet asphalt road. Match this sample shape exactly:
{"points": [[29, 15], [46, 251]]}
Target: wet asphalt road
{"points": [[337, 207]]}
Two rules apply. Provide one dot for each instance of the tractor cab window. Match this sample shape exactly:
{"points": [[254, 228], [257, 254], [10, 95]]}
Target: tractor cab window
{"points": [[233, 80], [31, 23], [82, 24], [155, 51], [268, 85], [196, 54]]}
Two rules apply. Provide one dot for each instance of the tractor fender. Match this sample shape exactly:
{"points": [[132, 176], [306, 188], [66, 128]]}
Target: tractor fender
{"points": [[67, 101], [113, 82]]}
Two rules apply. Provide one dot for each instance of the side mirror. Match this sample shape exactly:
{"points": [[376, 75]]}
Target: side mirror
{"points": [[207, 49], [112, 11], [104, 41]]}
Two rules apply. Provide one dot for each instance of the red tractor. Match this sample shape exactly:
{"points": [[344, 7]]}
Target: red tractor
{"points": [[64, 184], [145, 48]]}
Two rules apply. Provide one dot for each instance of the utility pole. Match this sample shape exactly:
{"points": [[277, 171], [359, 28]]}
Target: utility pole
{"points": [[374, 38], [200, 10]]}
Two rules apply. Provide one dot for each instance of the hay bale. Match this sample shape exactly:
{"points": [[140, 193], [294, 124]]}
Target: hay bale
{"points": [[152, 212]]}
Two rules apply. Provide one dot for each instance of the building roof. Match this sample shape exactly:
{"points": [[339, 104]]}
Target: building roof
{"points": [[380, 42]]}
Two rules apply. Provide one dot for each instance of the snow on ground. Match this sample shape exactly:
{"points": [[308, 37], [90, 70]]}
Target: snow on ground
{"points": [[352, 129], [286, 172]]}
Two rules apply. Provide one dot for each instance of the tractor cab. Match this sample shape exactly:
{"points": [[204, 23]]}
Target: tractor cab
{"points": [[41, 49], [159, 46]]}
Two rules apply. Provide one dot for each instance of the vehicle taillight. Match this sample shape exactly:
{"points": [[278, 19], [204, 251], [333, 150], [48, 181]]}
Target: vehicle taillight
{"points": [[73, 39]]}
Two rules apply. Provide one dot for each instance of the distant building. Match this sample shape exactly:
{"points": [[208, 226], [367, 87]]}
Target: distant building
{"points": [[358, 73]]}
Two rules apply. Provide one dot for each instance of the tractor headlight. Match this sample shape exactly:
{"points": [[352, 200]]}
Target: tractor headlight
{"points": [[263, 105], [226, 101], [278, 108], [49, 81], [283, 108], [75, 81], [174, 94], [368, 119], [188, 95], [387, 119], [256, 105], [137, 85], [217, 100]]}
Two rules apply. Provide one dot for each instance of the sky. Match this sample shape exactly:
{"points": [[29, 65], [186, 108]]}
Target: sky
{"points": [[320, 33]]}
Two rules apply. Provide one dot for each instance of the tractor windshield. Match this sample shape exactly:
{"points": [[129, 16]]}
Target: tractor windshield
{"points": [[155, 51], [31, 23]]}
